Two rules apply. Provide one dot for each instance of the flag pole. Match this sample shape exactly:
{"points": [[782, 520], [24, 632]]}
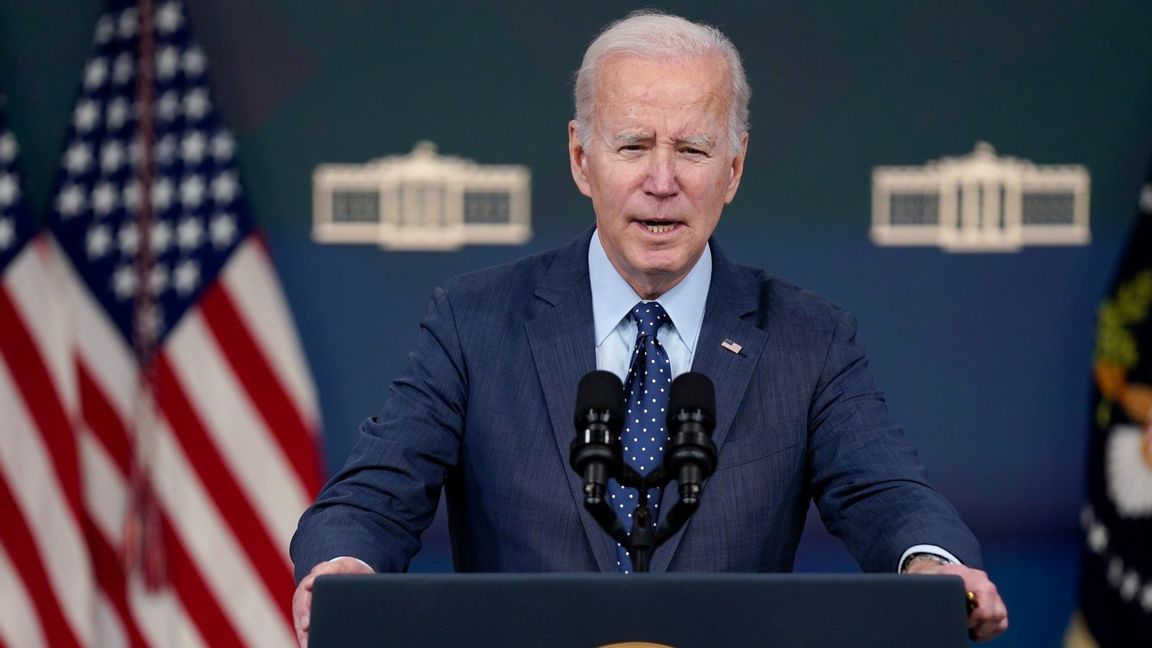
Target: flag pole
{"points": [[144, 541]]}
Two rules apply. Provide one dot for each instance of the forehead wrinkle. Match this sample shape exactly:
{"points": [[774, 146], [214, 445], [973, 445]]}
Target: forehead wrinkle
{"points": [[640, 100]]}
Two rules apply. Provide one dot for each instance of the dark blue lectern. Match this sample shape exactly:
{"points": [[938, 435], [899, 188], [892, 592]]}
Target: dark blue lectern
{"points": [[683, 610]]}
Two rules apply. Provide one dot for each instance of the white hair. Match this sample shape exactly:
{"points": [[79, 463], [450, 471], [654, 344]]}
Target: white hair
{"points": [[652, 34]]}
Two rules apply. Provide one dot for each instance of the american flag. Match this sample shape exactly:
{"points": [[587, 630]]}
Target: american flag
{"points": [[41, 505], [175, 430]]}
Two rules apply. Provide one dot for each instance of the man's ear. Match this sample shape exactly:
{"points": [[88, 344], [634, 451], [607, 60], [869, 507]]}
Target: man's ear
{"points": [[578, 159], [737, 169]]}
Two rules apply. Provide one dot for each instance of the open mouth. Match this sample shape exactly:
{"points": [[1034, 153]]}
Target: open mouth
{"points": [[658, 227]]}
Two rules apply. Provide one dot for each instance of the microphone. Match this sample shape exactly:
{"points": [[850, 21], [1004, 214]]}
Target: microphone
{"points": [[595, 452], [691, 455]]}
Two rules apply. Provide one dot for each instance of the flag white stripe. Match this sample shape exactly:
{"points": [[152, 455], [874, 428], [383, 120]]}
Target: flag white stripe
{"points": [[106, 497], [162, 619], [108, 630], [38, 494], [30, 278], [259, 299], [18, 626], [254, 457], [100, 345], [159, 614], [212, 547]]}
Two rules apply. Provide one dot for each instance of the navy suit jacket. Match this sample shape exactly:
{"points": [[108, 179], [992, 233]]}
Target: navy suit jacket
{"points": [[483, 411]]}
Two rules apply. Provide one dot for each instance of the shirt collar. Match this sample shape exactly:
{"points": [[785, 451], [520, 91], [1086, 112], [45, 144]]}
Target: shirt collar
{"points": [[613, 298]]}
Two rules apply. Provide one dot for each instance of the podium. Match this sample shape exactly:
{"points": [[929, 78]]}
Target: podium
{"points": [[680, 610]]}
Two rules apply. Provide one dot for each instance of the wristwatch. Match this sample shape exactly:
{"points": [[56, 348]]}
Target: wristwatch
{"points": [[939, 560]]}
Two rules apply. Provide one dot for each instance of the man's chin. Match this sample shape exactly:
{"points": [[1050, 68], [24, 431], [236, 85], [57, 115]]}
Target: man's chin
{"points": [[664, 272], [658, 263]]}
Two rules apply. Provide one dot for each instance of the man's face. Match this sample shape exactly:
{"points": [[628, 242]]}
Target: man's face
{"points": [[658, 166]]}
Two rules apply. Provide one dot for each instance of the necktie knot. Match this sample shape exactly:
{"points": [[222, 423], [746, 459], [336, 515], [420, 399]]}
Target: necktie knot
{"points": [[649, 317]]}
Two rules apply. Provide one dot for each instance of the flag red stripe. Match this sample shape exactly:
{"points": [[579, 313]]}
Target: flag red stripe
{"points": [[110, 574], [105, 424], [21, 548], [263, 385], [233, 504], [201, 606], [30, 374]]}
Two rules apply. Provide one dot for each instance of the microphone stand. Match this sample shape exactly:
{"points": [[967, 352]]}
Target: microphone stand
{"points": [[690, 459], [645, 536]]}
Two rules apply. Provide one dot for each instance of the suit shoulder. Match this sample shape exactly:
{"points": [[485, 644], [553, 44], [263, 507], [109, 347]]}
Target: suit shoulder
{"points": [[779, 299], [525, 269], [507, 283]]}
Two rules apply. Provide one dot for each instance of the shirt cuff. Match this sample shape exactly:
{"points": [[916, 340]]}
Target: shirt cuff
{"points": [[928, 549], [364, 563]]}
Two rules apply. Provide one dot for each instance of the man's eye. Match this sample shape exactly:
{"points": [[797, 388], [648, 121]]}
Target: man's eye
{"points": [[632, 147], [692, 151]]}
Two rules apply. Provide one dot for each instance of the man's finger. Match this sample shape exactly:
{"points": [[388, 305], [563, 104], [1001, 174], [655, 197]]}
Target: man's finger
{"points": [[987, 613], [302, 598], [989, 617], [988, 629], [301, 606]]}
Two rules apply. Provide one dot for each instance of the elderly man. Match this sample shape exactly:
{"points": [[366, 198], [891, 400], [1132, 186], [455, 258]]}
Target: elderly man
{"points": [[483, 409]]}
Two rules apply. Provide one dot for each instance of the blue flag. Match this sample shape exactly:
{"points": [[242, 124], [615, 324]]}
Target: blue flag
{"points": [[1116, 562], [16, 225]]}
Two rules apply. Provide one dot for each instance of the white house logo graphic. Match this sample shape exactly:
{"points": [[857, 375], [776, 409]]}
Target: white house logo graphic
{"points": [[421, 201], [980, 202]]}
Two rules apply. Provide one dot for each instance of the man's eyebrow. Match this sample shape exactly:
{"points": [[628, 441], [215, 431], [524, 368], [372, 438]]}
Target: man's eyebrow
{"points": [[698, 141], [628, 138]]}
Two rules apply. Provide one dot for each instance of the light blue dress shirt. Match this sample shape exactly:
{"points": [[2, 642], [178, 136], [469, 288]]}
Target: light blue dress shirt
{"points": [[613, 299]]}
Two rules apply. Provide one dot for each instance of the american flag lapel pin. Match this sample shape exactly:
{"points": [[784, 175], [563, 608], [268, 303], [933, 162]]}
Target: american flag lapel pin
{"points": [[731, 346]]}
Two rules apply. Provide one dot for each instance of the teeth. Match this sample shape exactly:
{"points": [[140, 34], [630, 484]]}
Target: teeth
{"points": [[658, 229]]}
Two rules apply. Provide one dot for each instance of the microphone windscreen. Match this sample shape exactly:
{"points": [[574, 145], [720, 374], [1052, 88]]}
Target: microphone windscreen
{"points": [[692, 391], [600, 390]]}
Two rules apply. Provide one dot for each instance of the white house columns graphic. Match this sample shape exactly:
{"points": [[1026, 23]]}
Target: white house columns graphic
{"points": [[421, 201], [980, 202]]}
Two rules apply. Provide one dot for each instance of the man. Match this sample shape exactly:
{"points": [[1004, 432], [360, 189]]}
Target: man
{"points": [[484, 407]]}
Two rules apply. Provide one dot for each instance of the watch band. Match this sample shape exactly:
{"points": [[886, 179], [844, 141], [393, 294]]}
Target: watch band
{"points": [[939, 560]]}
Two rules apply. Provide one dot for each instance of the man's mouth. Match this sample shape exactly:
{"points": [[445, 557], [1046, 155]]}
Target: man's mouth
{"points": [[658, 227]]}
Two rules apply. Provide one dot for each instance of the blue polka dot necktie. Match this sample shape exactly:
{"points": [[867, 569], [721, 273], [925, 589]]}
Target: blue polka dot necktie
{"points": [[646, 387]]}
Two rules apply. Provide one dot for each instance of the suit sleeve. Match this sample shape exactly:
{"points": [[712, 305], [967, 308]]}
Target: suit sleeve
{"points": [[870, 488], [377, 506]]}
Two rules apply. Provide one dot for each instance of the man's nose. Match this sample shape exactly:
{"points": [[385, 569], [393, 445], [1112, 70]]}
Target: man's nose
{"points": [[661, 181]]}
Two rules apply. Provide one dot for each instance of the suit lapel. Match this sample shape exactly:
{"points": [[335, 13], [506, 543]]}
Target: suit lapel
{"points": [[563, 350], [731, 297]]}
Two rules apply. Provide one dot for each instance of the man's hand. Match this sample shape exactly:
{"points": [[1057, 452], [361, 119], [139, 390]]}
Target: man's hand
{"points": [[987, 614], [302, 599]]}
